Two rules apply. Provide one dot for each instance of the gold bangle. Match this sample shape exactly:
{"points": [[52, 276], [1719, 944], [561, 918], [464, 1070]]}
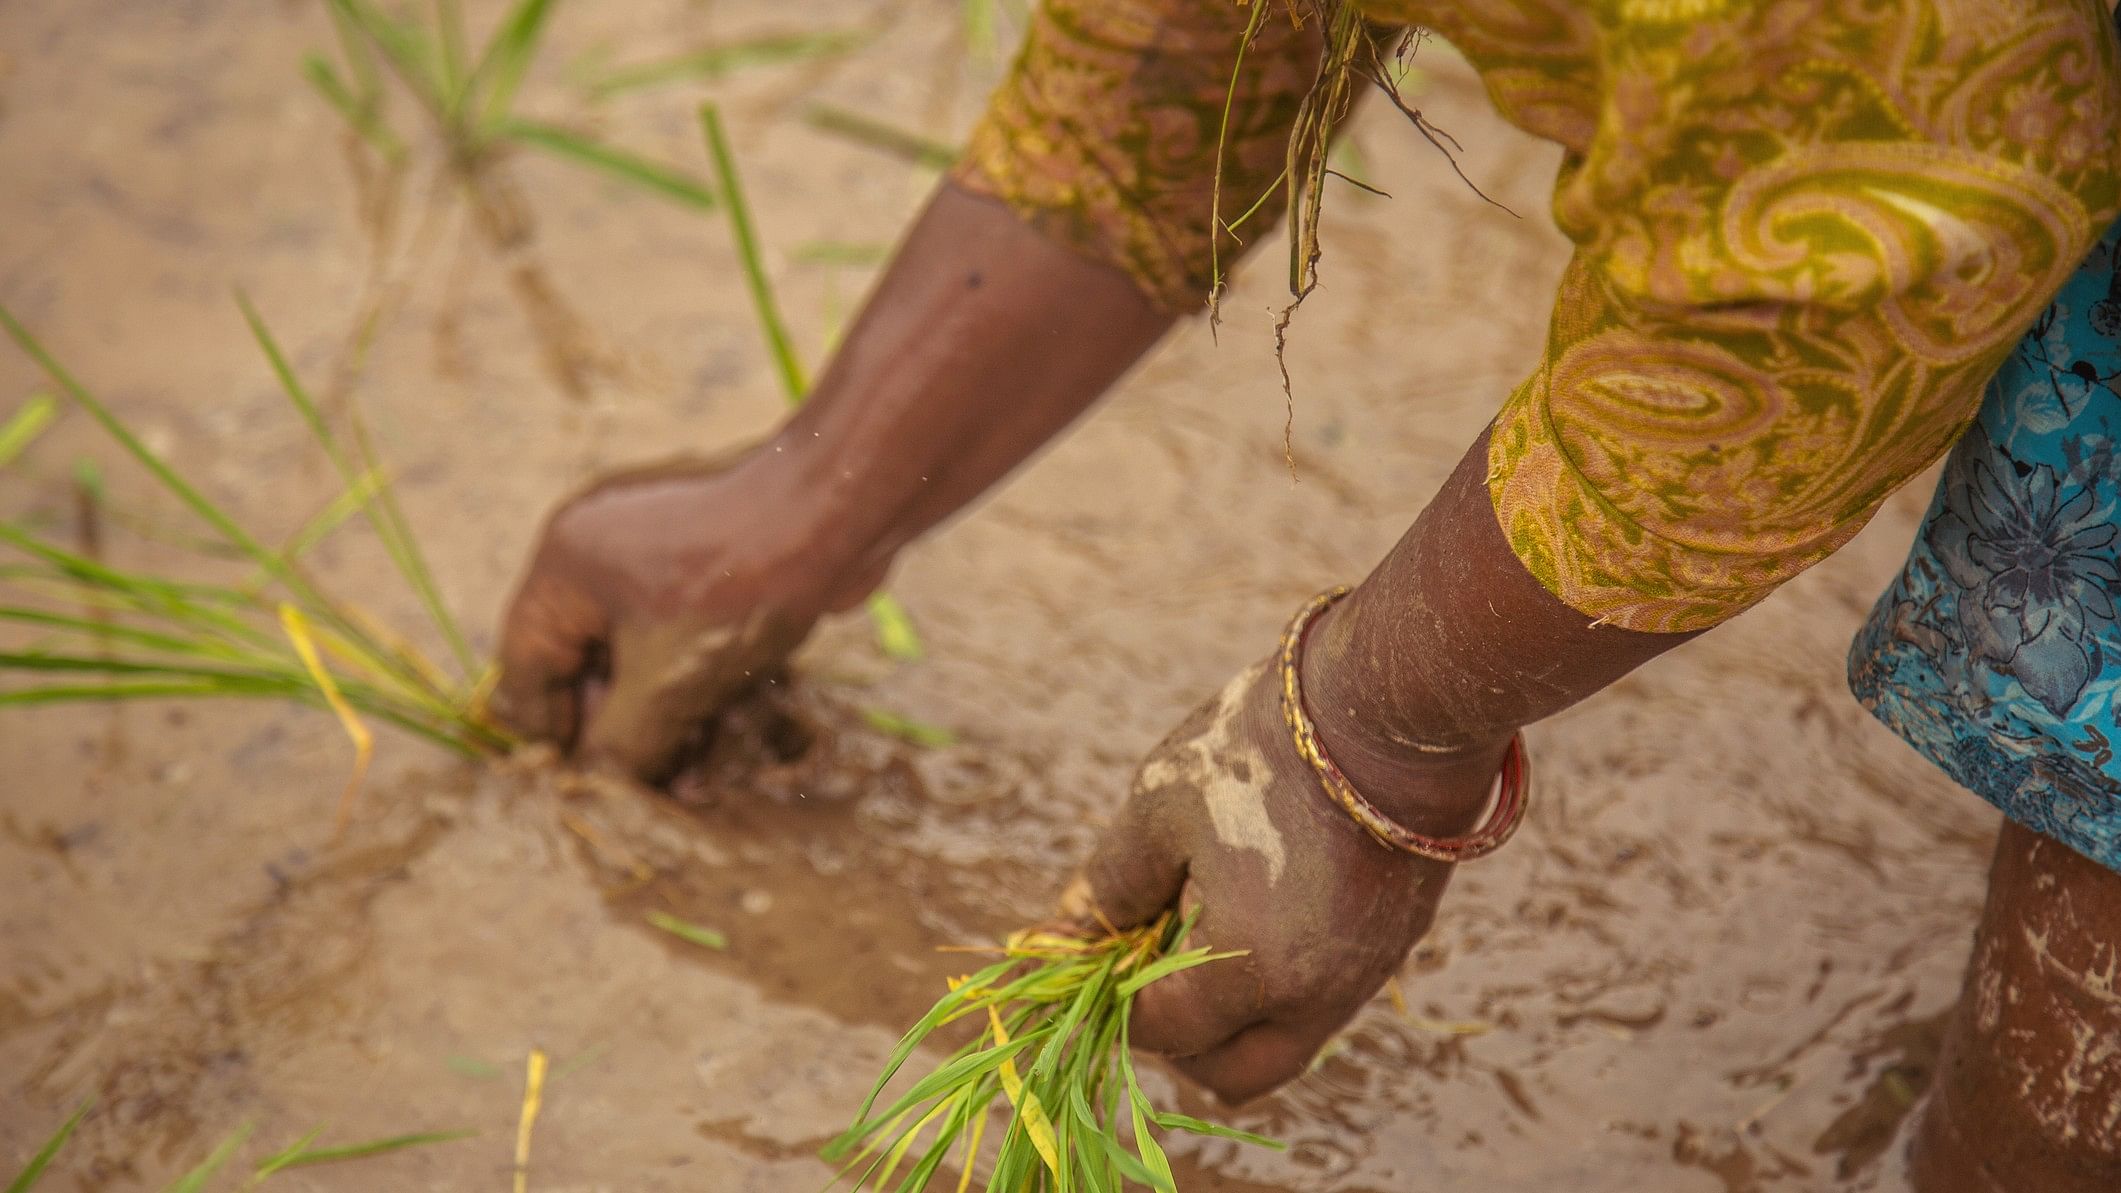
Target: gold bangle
{"points": [[1502, 820]]}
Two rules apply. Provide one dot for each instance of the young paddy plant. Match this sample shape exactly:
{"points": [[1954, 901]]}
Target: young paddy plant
{"points": [[302, 1153], [469, 98], [1051, 1051], [99, 632]]}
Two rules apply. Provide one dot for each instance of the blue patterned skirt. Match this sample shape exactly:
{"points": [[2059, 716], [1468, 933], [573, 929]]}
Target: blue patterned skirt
{"points": [[1997, 652]]}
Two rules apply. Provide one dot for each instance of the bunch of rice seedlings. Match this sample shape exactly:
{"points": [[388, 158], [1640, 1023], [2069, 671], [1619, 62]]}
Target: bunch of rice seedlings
{"points": [[1052, 1048], [469, 97], [101, 632], [302, 1153]]}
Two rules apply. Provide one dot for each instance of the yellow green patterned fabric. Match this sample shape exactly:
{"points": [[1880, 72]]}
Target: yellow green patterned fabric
{"points": [[1807, 232]]}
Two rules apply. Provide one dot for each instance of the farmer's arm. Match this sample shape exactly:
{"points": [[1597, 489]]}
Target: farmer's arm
{"points": [[1067, 241], [1774, 318]]}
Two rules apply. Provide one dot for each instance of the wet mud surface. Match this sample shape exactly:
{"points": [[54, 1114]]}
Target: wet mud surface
{"points": [[1717, 959]]}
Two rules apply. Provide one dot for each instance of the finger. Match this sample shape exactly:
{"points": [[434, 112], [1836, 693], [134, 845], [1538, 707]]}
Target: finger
{"points": [[547, 638], [667, 679], [1255, 1061], [1134, 873], [1196, 1010]]}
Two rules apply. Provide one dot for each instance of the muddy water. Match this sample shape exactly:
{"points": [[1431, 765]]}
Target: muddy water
{"points": [[1715, 959]]}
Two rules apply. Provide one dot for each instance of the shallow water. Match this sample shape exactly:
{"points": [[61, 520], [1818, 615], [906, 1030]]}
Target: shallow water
{"points": [[1714, 960]]}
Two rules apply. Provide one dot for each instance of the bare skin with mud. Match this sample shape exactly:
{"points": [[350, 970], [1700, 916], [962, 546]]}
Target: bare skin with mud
{"points": [[1688, 967]]}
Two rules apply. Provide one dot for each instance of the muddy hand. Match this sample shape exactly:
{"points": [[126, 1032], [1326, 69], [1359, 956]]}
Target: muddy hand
{"points": [[666, 590], [1225, 813]]}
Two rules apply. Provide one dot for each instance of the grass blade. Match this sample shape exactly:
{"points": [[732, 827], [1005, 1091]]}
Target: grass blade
{"points": [[135, 690], [350, 501], [926, 152], [979, 25], [716, 61], [854, 254], [34, 1170], [282, 1158], [895, 635], [362, 117], [207, 511], [405, 48], [302, 1155], [731, 188], [115, 632], [1030, 1113], [1193, 1126], [906, 729], [195, 1180], [449, 32], [384, 516], [25, 425], [507, 56], [364, 742], [705, 937], [629, 168]]}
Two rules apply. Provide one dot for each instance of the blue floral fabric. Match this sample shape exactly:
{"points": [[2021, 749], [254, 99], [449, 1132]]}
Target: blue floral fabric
{"points": [[1997, 652]]}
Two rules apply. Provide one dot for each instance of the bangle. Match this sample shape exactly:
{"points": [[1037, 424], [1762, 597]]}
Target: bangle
{"points": [[1502, 820]]}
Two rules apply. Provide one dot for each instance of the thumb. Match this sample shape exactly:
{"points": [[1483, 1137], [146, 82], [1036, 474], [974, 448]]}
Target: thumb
{"points": [[1133, 874], [547, 637], [668, 677]]}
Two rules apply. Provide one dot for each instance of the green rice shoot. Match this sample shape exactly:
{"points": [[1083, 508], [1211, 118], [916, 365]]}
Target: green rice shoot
{"points": [[301, 1153], [719, 61], [100, 632], [847, 124], [1052, 1053], [469, 98]]}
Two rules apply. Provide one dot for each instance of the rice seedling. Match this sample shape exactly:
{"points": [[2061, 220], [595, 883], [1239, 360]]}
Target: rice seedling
{"points": [[925, 152], [469, 99], [895, 635], [195, 1180], [300, 1153], [908, 730], [689, 932], [303, 1152], [718, 61], [1052, 1049], [110, 633], [23, 427], [34, 1171]]}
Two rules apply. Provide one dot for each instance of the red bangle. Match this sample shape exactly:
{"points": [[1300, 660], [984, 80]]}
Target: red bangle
{"points": [[1502, 820]]}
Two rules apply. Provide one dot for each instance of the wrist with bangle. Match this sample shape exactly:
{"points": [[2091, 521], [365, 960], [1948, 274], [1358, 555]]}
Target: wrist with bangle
{"points": [[1506, 806]]}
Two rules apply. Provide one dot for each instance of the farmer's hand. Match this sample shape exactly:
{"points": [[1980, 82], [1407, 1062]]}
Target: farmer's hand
{"points": [[1227, 811], [685, 581]]}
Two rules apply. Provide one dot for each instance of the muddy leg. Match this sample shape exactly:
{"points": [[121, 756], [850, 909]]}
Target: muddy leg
{"points": [[2028, 1091]]}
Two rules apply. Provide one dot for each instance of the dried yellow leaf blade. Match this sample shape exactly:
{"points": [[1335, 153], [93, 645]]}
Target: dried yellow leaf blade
{"points": [[533, 1099], [1037, 1127], [304, 640]]}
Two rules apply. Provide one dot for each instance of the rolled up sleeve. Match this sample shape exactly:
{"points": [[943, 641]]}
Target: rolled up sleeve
{"points": [[1104, 134], [1806, 236]]}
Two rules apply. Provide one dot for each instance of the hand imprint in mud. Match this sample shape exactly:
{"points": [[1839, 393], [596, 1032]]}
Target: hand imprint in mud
{"points": [[1225, 815]]}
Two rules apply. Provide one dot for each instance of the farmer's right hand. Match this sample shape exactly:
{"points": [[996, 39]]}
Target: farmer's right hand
{"points": [[653, 596], [1227, 819]]}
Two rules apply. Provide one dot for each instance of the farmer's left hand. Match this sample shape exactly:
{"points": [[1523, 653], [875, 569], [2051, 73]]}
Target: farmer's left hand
{"points": [[1226, 811]]}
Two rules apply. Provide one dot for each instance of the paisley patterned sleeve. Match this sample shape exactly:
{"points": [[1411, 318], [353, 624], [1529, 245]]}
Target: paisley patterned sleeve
{"points": [[1103, 135], [1807, 231]]}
